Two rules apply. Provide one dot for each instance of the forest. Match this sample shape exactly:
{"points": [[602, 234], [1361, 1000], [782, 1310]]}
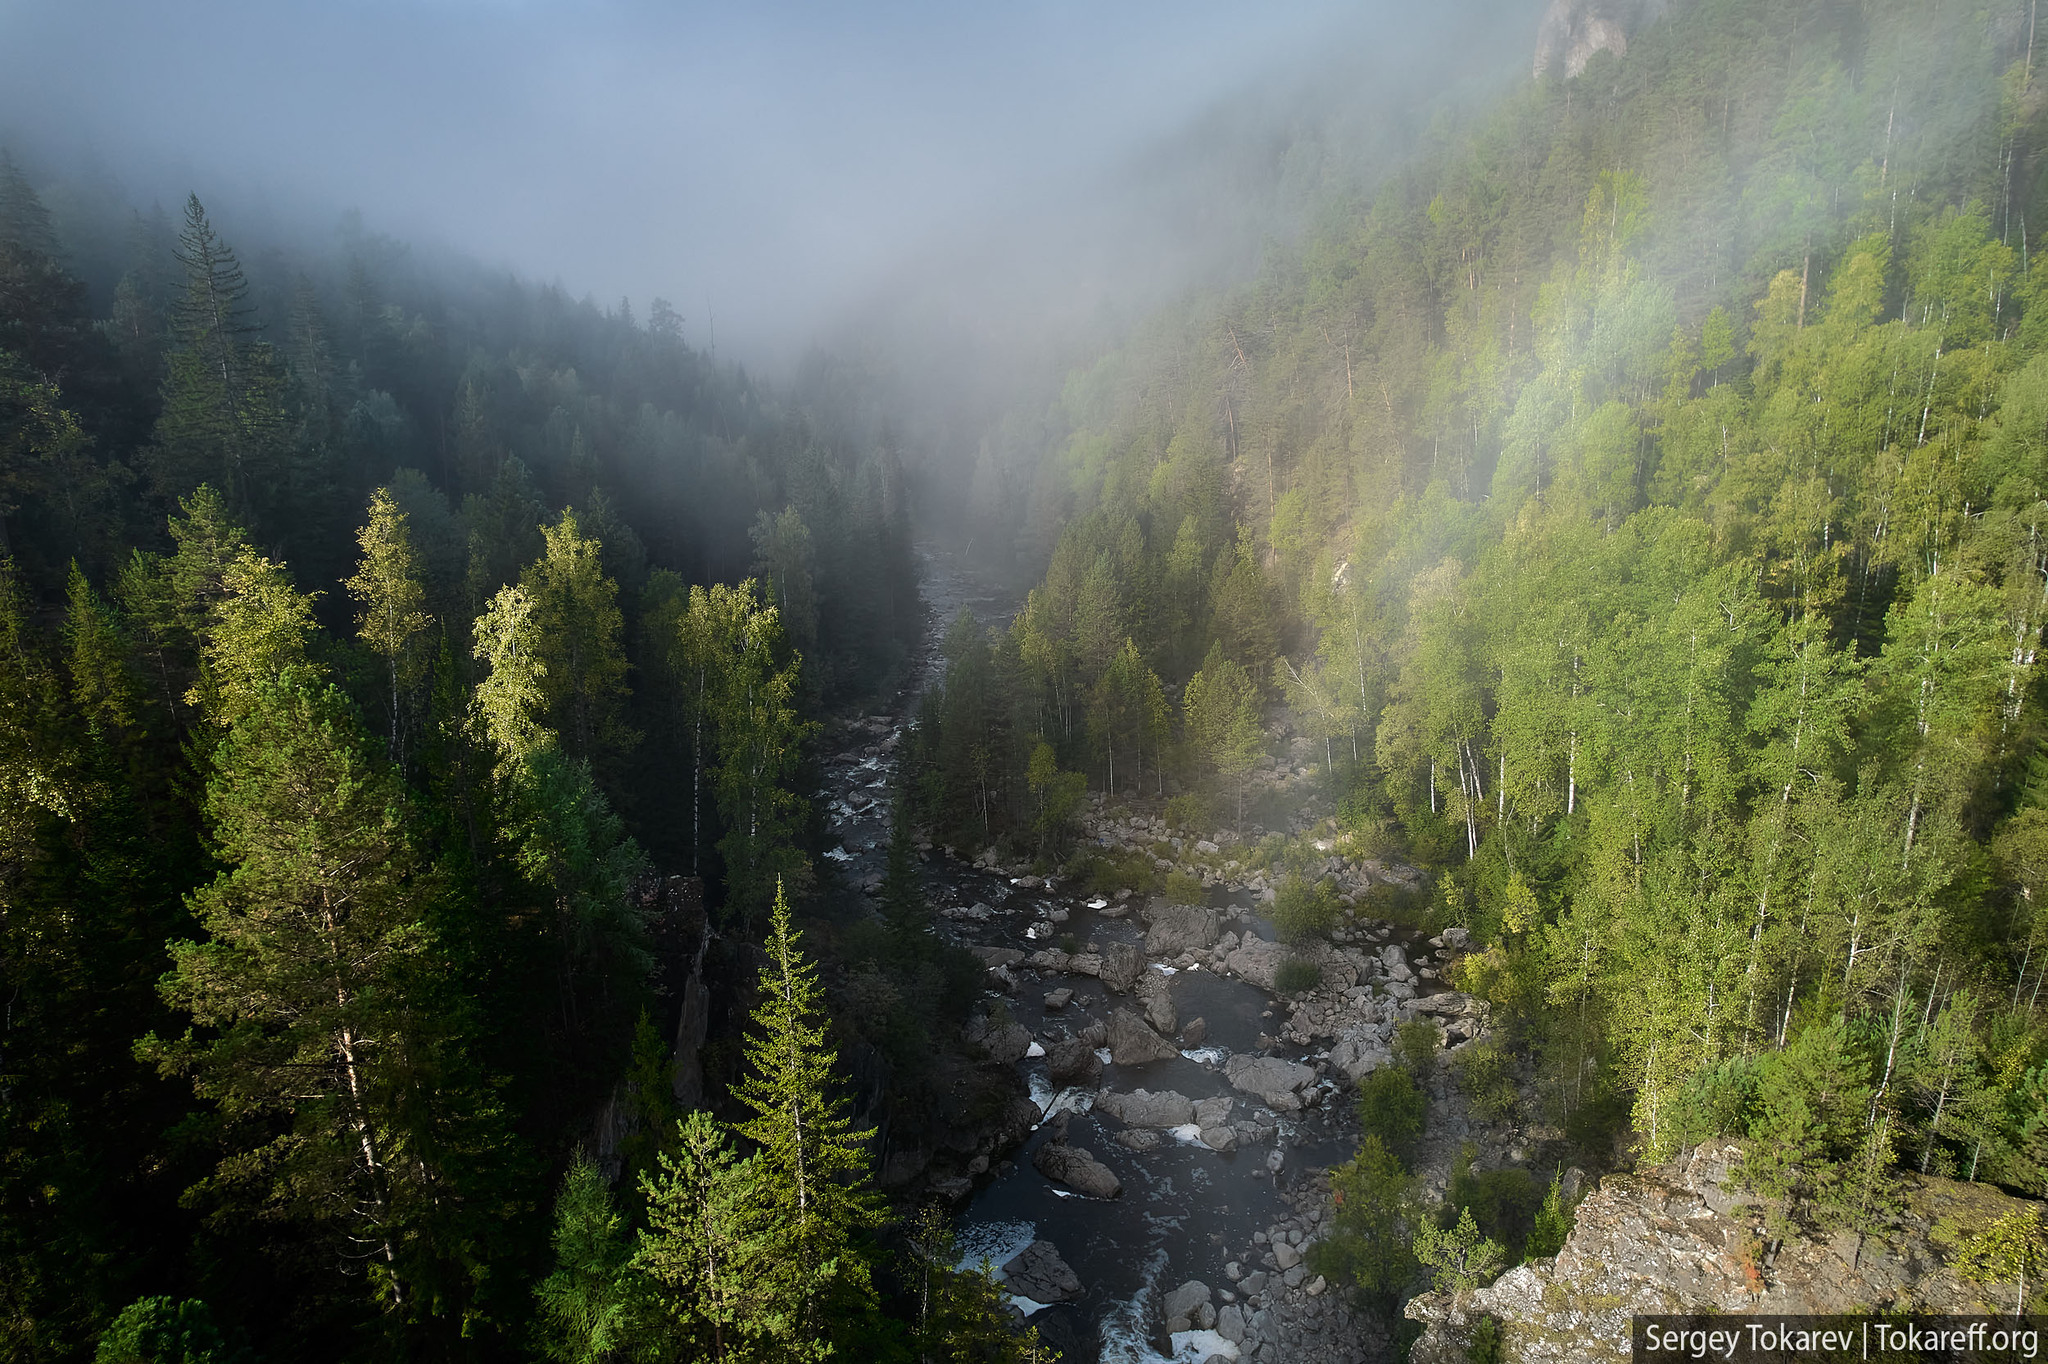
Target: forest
{"points": [[1636, 500]]}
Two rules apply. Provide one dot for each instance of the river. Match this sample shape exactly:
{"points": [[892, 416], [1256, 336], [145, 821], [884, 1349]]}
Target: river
{"points": [[1186, 1212]]}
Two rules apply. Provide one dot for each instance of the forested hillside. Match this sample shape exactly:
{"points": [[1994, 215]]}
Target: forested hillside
{"points": [[369, 655], [1638, 502]]}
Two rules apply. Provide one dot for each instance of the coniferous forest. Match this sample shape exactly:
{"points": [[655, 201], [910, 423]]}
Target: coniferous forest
{"points": [[1627, 508]]}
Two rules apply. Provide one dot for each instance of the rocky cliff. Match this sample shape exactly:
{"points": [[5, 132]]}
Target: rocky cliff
{"points": [[1680, 1238], [1573, 30]]}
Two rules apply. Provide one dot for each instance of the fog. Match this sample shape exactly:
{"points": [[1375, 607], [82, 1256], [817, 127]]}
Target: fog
{"points": [[775, 171]]}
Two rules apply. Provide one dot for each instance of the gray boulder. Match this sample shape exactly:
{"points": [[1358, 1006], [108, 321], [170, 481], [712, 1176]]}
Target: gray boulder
{"points": [[1077, 1169], [1142, 1109], [1155, 991], [1257, 961], [1073, 1062], [1186, 1304], [1121, 964], [1140, 1139], [1193, 1032], [1395, 962], [1230, 1323], [1038, 1273], [1180, 928], [1361, 1051], [1133, 1043], [1005, 1043], [1220, 1138], [1213, 1112], [1272, 1081]]}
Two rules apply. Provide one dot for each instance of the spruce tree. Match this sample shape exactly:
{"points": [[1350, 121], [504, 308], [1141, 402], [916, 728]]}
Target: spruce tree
{"points": [[223, 412], [713, 1253], [816, 1193]]}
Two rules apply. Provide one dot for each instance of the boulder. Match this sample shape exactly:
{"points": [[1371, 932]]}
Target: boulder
{"points": [[1056, 1000], [1212, 1112], [1094, 1034], [1143, 1109], [1230, 1323], [1073, 1062], [1285, 1256], [1180, 928], [1220, 1138], [1077, 1169], [1133, 1043], [1005, 1043], [1121, 964], [1395, 962], [998, 956], [1256, 961], [1269, 1079], [1037, 1272], [1085, 964], [1193, 1032], [1182, 1304], [1155, 991], [1139, 1139], [1361, 1051]]}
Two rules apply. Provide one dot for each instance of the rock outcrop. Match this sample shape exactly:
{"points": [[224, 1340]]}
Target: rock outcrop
{"points": [[1573, 30], [1680, 1238], [1121, 963], [1155, 992]]}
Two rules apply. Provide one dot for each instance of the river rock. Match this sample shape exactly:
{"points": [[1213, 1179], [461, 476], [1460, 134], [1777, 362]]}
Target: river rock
{"points": [[1133, 1043], [1005, 1044], [1395, 962], [1193, 1032], [1095, 1034], [1085, 964], [1256, 961], [1142, 1109], [1056, 1000], [1213, 1112], [998, 956], [1361, 1051], [1121, 964], [1073, 1062], [1285, 1256], [1230, 1323], [1180, 928], [1038, 1273], [1271, 1080], [1079, 1170], [1155, 992], [1220, 1138], [1139, 1139], [1186, 1305], [1670, 1239]]}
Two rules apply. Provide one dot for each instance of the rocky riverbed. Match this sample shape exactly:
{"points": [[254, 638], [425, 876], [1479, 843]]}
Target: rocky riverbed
{"points": [[1182, 1113]]}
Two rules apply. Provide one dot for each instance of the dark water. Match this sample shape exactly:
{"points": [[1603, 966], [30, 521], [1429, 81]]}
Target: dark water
{"points": [[1185, 1210]]}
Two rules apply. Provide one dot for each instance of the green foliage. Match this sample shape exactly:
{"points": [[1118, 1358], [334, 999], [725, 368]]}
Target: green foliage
{"points": [[1183, 889], [1552, 1223], [2013, 1249], [1373, 1217], [1502, 1203], [1297, 976], [1460, 1259], [164, 1331], [1304, 911], [1393, 1110], [584, 1304], [1417, 1043], [1485, 1071]]}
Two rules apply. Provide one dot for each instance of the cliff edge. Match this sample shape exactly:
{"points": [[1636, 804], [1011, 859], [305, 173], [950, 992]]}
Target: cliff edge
{"points": [[1680, 1238]]}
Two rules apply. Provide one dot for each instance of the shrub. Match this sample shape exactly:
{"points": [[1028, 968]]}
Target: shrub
{"points": [[1191, 812], [1552, 1224], [1297, 977], [1302, 911], [1486, 1072], [1503, 1203], [1415, 1046], [1183, 889], [1391, 1107]]}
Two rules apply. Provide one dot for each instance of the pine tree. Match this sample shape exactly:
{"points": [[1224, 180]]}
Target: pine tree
{"points": [[314, 938], [389, 596], [223, 398], [712, 1249], [816, 1164], [585, 1304]]}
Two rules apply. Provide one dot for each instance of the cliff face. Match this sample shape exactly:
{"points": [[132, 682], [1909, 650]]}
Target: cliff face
{"points": [[1676, 1239], [1573, 30]]}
